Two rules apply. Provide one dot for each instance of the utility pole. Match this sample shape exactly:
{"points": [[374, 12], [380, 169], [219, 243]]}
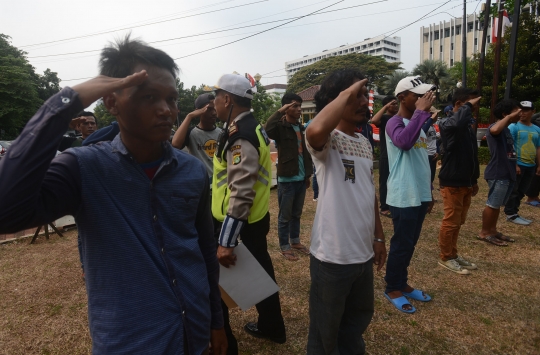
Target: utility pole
{"points": [[497, 63], [464, 46], [487, 8], [512, 54]]}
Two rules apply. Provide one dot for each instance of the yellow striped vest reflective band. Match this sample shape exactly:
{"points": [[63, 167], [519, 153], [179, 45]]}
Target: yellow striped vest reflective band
{"points": [[220, 189]]}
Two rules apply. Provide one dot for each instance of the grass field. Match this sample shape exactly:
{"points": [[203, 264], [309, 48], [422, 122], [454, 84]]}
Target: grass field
{"points": [[495, 310]]}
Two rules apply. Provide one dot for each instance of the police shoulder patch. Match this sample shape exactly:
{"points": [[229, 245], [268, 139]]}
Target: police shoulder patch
{"points": [[236, 147], [233, 128], [237, 158]]}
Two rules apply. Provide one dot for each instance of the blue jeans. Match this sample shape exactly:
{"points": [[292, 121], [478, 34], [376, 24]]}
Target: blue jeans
{"points": [[291, 197], [340, 307], [407, 227]]}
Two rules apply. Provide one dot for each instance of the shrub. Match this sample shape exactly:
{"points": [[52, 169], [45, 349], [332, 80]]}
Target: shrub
{"points": [[483, 155]]}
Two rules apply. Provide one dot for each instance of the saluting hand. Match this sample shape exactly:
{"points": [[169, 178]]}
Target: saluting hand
{"points": [[102, 85], [425, 102]]}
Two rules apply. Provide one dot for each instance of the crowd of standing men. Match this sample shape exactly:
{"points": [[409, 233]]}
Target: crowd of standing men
{"points": [[152, 272]]}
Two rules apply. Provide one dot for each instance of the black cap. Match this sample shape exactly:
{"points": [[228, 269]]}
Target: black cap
{"points": [[203, 100]]}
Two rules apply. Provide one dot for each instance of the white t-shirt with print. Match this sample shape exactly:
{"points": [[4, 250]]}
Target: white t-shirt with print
{"points": [[344, 225]]}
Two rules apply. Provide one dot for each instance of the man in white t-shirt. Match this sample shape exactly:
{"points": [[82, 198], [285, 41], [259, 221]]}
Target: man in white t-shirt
{"points": [[343, 247]]}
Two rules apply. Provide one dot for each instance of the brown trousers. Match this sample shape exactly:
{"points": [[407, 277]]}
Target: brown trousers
{"points": [[457, 201]]}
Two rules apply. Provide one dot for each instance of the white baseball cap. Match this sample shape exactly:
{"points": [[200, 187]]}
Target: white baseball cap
{"points": [[413, 84], [526, 104], [234, 84]]}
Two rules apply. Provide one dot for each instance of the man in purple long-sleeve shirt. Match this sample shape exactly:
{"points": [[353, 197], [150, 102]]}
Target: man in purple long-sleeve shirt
{"points": [[150, 263], [409, 187]]}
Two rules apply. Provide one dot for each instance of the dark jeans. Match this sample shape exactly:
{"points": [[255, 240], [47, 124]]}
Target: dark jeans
{"points": [[407, 227], [340, 307], [534, 187], [384, 172], [432, 166], [521, 186], [315, 185], [291, 196], [270, 320]]}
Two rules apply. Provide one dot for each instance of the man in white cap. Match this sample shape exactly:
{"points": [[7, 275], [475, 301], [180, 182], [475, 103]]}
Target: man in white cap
{"points": [[409, 186], [240, 198], [527, 145]]}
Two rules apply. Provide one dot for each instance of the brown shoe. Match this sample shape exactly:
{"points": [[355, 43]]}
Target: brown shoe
{"points": [[289, 255]]}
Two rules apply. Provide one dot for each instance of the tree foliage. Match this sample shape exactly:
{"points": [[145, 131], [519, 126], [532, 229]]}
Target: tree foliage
{"points": [[375, 68], [104, 118], [526, 79], [22, 90], [264, 104], [389, 85]]}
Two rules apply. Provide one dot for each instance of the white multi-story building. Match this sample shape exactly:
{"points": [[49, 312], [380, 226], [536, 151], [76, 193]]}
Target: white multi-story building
{"points": [[442, 41], [387, 47]]}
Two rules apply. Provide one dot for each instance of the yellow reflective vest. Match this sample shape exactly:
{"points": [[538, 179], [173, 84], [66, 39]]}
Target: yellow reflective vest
{"points": [[250, 130]]}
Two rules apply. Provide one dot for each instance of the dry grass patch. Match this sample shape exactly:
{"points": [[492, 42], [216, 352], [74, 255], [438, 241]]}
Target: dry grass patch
{"points": [[493, 311]]}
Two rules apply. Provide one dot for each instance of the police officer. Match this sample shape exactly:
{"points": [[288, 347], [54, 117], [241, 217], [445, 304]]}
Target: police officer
{"points": [[240, 199]]}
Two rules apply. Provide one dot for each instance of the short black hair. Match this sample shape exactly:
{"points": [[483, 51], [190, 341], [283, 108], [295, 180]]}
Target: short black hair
{"points": [[333, 84], [119, 59], [388, 99], [505, 107], [290, 97], [463, 95], [240, 101], [85, 113]]}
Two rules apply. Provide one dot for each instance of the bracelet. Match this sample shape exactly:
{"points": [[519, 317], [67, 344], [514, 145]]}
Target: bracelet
{"points": [[378, 240]]}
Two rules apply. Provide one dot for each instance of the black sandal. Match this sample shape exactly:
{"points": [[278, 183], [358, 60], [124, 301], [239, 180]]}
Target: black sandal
{"points": [[493, 240], [504, 238]]}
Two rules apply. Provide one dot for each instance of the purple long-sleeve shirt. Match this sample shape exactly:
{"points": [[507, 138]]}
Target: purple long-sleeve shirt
{"points": [[404, 137], [149, 253]]}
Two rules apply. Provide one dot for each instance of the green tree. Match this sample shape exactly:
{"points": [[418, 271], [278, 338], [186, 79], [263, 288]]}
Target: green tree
{"points": [[526, 79], [48, 84], [104, 118], [186, 99], [19, 97], [389, 85], [264, 104], [375, 68]]}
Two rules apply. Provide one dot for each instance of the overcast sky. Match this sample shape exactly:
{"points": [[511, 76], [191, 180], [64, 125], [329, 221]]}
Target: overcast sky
{"points": [[31, 22]]}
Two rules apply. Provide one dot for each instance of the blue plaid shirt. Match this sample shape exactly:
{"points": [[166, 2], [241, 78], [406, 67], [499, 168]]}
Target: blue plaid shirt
{"points": [[148, 250]]}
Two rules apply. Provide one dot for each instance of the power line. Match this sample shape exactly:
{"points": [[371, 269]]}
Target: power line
{"points": [[217, 31], [147, 24], [418, 19], [385, 12], [256, 34]]}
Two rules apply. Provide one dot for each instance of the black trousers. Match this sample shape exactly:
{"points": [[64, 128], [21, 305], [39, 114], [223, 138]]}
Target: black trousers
{"points": [[534, 187], [270, 320], [523, 181], [384, 172]]}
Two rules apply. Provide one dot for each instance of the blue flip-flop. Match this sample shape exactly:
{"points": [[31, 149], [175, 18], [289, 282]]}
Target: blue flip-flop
{"points": [[533, 203], [417, 295], [399, 303]]}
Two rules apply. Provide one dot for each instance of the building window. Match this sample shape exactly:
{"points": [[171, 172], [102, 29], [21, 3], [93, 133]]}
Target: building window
{"points": [[436, 35], [458, 30], [488, 39], [451, 62], [426, 38], [446, 32], [470, 26], [452, 46], [476, 41], [431, 50], [452, 31], [441, 48]]}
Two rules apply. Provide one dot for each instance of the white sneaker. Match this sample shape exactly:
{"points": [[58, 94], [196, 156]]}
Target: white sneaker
{"points": [[516, 219], [315, 199], [454, 266], [465, 264]]}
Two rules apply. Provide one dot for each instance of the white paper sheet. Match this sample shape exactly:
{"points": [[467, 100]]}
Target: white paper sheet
{"points": [[246, 282]]}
